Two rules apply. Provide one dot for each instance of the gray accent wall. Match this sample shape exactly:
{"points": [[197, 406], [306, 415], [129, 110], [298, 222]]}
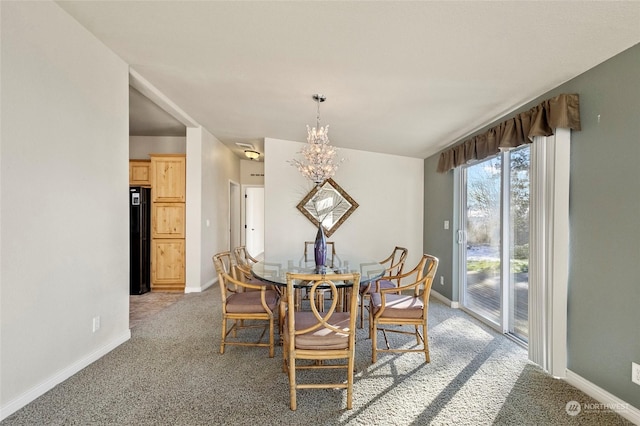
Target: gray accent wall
{"points": [[438, 207], [604, 207], [604, 267]]}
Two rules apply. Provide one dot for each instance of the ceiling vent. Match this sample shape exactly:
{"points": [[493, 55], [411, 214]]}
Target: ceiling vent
{"points": [[244, 145]]}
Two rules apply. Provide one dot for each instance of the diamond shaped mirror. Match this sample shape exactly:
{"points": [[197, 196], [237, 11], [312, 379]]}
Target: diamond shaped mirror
{"points": [[329, 204]]}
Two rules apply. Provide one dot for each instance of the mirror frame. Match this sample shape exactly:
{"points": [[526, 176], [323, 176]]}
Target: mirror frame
{"points": [[315, 220]]}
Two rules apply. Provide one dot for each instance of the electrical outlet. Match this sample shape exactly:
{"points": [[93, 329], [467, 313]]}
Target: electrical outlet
{"points": [[441, 279], [635, 373], [96, 324]]}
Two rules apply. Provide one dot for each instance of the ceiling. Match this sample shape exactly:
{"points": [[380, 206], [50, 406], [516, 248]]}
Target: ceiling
{"points": [[400, 77], [148, 119]]}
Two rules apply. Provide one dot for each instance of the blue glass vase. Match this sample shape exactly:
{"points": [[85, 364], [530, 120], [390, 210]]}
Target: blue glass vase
{"points": [[320, 248]]}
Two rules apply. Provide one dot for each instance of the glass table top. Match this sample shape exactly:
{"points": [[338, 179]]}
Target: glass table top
{"points": [[275, 270]]}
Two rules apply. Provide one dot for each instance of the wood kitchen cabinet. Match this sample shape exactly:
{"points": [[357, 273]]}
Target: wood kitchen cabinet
{"points": [[168, 178], [168, 189], [167, 220], [167, 265], [140, 172]]}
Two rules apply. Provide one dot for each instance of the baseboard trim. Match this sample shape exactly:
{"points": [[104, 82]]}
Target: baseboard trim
{"points": [[201, 288], [610, 401], [61, 376], [436, 295]]}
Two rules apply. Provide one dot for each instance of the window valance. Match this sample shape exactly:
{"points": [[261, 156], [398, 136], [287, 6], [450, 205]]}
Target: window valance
{"points": [[562, 111]]}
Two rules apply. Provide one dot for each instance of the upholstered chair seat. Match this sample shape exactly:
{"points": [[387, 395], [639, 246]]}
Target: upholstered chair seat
{"points": [[380, 284], [397, 306], [251, 301], [321, 338]]}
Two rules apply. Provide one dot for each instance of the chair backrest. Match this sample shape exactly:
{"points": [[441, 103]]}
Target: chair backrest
{"points": [[309, 253], [223, 262], [226, 269], [420, 278], [429, 273], [243, 257], [244, 260], [394, 264], [326, 286]]}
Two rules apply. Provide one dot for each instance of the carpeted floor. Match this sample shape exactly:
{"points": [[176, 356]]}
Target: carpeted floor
{"points": [[170, 373]]}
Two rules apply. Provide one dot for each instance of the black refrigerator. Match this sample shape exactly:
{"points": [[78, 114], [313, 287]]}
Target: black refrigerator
{"points": [[140, 239]]}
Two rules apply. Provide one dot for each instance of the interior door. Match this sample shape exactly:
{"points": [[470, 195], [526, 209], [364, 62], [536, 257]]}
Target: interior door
{"points": [[254, 220]]}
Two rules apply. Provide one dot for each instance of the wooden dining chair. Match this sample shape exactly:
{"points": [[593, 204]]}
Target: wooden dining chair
{"points": [[393, 266], [309, 254], [243, 257], [244, 261], [316, 336], [389, 306], [243, 301]]}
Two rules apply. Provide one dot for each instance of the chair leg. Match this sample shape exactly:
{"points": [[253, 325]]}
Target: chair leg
{"points": [[282, 310], [350, 368], [271, 344], [373, 336], [292, 383], [224, 334], [284, 361], [362, 296], [371, 325], [298, 301], [320, 300], [426, 343]]}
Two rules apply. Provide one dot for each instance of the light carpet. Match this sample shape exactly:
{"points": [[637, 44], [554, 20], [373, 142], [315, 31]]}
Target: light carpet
{"points": [[171, 373]]}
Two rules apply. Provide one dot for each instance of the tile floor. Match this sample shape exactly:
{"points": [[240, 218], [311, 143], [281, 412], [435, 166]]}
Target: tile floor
{"points": [[143, 306]]}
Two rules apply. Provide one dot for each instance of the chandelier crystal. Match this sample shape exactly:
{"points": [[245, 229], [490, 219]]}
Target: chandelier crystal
{"points": [[319, 157]]}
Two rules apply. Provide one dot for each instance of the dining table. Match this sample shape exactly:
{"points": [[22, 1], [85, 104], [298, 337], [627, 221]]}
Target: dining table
{"points": [[273, 271]]}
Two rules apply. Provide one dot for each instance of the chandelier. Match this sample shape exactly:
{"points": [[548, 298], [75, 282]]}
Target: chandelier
{"points": [[318, 163]]}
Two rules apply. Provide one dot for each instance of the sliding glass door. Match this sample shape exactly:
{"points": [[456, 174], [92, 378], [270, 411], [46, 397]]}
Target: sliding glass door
{"points": [[518, 245], [495, 219], [482, 293]]}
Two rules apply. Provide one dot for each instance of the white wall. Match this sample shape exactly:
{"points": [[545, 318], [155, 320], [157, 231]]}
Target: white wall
{"points": [[251, 175], [388, 189], [141, 146], [64, 223], [210, 167], [252, 172], [193, 219]]}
